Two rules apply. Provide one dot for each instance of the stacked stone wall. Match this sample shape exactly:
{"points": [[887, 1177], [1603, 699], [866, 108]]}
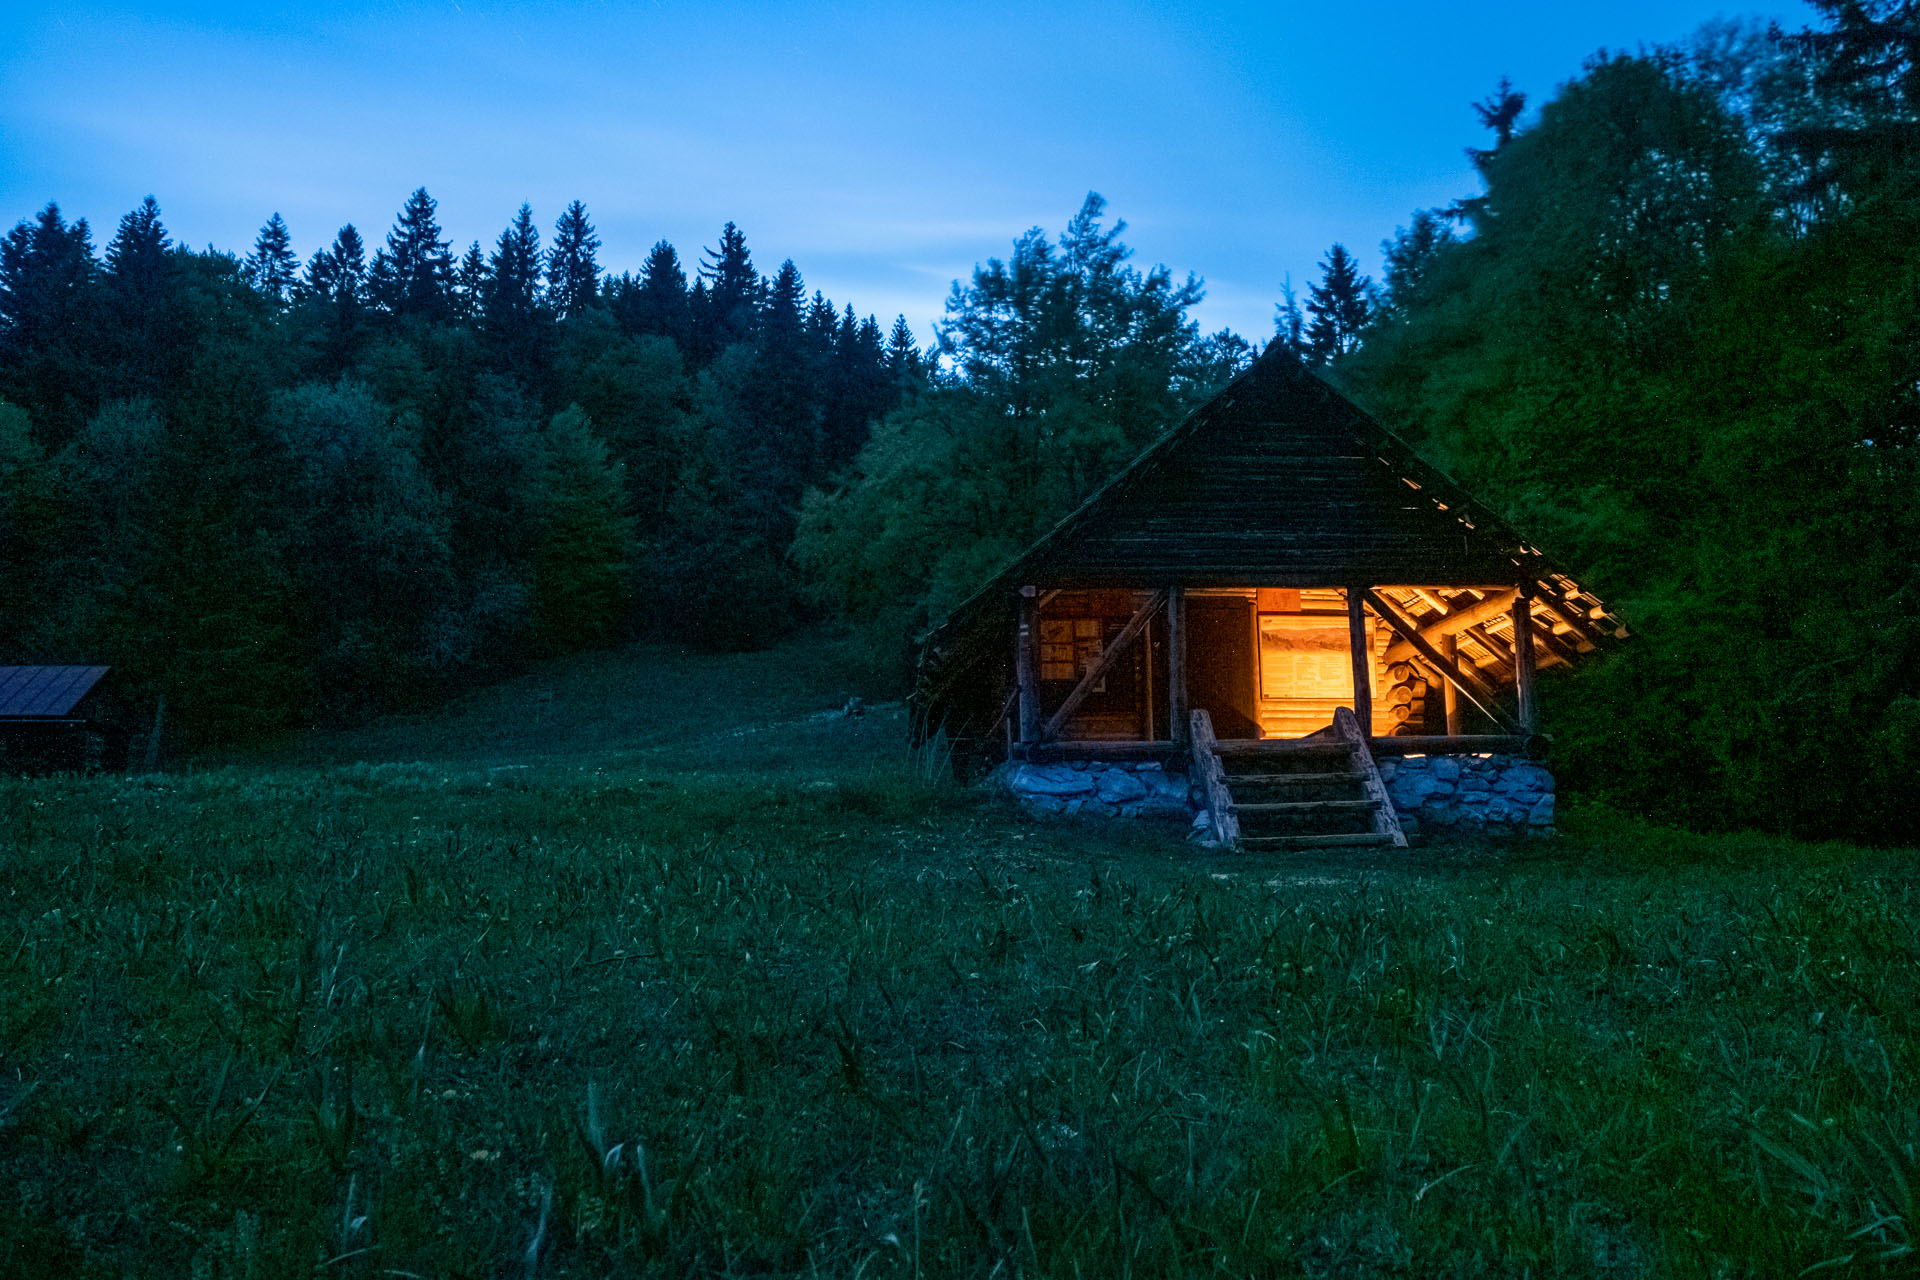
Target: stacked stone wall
{"points": [[1433, 795], [1437, 795], [1146, 789]]}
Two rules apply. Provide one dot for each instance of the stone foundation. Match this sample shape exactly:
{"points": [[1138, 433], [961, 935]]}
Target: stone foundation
{"points": [[1437, 795], [1434, 795], [1144, 789]]}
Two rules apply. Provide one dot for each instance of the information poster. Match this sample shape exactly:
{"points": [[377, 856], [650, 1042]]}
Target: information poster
{"points": [[1304, 657]]}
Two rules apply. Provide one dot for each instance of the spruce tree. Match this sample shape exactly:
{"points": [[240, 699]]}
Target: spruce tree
{"points": [[336, 287], [573, 273], [823, 321], [143, 337], [1289, 321], [903, 353], [48, 306], [338, 274], [657, 303], [469, 284], [513, 276], [272, 269], [411, 276], [583, 537], [1337, 307], [781, 320], [733, 289], [137, 254]]}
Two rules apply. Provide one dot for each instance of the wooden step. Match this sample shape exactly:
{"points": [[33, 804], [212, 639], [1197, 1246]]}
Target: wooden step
{"points": [[1315, 842], [1281, 747], [1303, 806], [1291, 777]]}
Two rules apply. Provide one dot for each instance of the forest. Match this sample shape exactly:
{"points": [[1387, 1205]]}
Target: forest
{"points": [[1674, 336]]}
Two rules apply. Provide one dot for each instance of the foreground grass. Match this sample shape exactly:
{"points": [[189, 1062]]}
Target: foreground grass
{"points": [[454, 1019]]}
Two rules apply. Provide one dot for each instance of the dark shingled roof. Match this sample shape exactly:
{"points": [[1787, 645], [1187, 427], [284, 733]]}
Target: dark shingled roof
{"points": [[34, 693]]}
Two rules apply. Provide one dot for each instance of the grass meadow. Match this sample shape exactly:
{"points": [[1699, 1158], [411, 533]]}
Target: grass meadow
{"points": [[654, 964]]}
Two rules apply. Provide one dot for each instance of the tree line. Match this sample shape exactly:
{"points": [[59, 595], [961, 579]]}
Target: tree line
{"points": [[1676, 337], [285, 493]]}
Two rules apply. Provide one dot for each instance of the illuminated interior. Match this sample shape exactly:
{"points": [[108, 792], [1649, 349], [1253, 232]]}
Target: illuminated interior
{"points": [[1275, 662]]}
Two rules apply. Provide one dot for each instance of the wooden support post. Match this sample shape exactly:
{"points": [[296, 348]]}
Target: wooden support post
{"points": [[1523, 660], [1362, 660], [1026, 672], [1450, 650], [1146, 680], [1177, 718]]}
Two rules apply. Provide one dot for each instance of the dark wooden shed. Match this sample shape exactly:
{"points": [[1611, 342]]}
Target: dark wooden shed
{"points": [[1277, 557], [60, 718]]}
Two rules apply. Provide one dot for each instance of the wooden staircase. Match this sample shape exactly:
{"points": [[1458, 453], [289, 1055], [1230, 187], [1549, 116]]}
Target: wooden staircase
{"points": [[1295, 793]]}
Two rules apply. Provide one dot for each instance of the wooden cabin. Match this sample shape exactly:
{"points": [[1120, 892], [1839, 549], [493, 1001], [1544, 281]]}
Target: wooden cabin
{"points": [[58, 719], [1277, 580]]}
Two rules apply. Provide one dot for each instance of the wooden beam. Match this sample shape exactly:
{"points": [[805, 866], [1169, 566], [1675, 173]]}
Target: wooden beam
{"points": [[1450, 650], [1477, 690], [1212, 777], [1386, 822], [1094, 673], [1025, 667], [1584, 632], [1523, 661], [1362, 655], [1502, 655], [1459, 620], [1178, 723]]}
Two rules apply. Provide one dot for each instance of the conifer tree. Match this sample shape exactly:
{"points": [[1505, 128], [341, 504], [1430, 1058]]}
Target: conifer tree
{"points": [[823, 322], [903, 353], [137, 254], [411, 276], [47, 304], [469, 284], [272, 269], [338, 274], [733, 289], [584, 540], [657, 303], [1289, 320], [139, 283], [1337, 307], [573, 272], [336, 287], [513, 275], [781, 321]]}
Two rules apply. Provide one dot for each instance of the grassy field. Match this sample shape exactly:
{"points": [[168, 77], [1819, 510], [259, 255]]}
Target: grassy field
{"points": [[654, 964]]}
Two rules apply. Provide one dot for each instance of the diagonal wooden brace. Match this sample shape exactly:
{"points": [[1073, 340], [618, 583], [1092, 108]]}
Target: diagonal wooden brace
{"points": [[1476, 689], [1135, 625]]}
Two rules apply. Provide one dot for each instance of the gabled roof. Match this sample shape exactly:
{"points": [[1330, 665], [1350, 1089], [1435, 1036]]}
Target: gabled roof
{"points": [[45, 692], [1278, 480]]}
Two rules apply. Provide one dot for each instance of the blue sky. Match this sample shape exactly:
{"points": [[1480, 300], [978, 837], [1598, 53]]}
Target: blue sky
{"points": [[885, 148]]}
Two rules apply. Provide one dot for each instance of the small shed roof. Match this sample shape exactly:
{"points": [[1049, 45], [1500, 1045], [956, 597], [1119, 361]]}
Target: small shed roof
{"points": [[36, 693]]}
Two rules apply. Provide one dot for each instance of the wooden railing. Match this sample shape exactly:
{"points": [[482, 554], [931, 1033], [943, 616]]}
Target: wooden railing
{"points": [[1212, 777]]}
